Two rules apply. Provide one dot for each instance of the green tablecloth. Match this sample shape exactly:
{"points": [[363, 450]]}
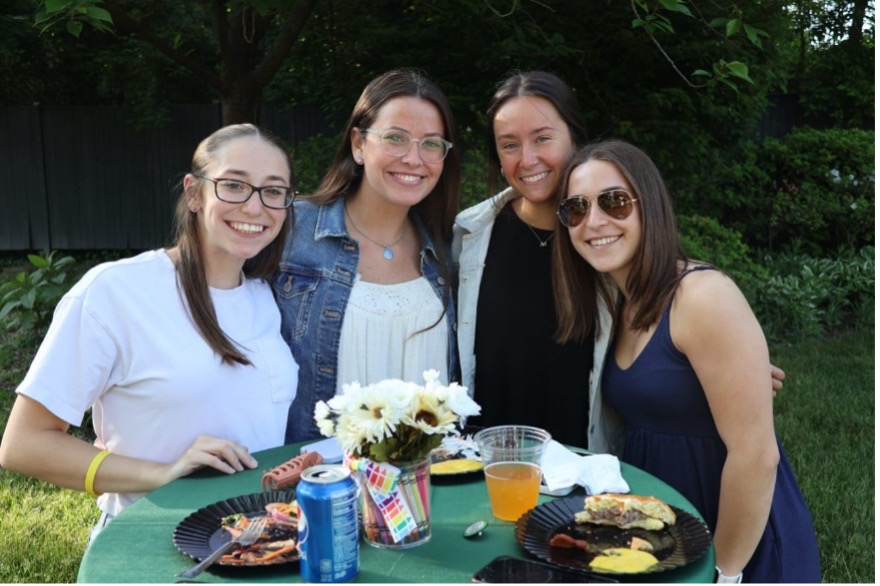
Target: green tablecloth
{"points": [[137, 546]]}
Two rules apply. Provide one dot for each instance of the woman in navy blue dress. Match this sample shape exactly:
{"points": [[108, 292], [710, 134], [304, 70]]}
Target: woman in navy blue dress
{"points": [[687, 368]]}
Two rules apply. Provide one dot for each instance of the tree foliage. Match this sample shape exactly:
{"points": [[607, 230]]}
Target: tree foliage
{"points": [[687, 80], [237, 48]]}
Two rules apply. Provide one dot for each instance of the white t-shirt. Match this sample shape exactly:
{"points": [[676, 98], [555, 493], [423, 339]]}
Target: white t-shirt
{"points": [[122, 341], [382, 333]]}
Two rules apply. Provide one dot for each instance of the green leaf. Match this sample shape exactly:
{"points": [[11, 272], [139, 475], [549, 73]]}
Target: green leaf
{"points": [[733, 26], [29, 299], [8, 308], [56, 5], [26, 321], [74, 27], [41, 16], [93, 12], [719, 22], [637, 22], [740, 70], [676, 6], [38, 260], [754, 35], [729, 83], [666, 26], [702, 73]]}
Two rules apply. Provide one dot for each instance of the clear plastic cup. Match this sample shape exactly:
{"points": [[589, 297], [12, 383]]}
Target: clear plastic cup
{"points": [[511, 457]]}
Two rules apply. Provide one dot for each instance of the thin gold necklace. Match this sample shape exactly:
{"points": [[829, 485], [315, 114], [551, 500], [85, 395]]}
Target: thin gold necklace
{"points": [[386, 248]]}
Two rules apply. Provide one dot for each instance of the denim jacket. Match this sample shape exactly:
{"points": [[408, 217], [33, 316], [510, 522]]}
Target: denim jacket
{"points": [[312, 287], [470, 244]]}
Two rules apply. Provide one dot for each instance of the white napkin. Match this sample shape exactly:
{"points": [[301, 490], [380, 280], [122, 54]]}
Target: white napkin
{"points": [[563, 470]]}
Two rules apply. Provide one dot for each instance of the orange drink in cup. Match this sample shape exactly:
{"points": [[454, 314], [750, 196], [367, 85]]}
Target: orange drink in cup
{"points": [[513, 488], [511, 455]]}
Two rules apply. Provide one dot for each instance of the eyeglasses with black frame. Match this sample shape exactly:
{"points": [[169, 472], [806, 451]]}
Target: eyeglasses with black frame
{"points": [[615, 203], [276, 197], [394, 142]]}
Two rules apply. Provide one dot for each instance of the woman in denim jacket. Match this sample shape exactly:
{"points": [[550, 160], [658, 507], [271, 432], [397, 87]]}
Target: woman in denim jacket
{"points": [[365, 287]]}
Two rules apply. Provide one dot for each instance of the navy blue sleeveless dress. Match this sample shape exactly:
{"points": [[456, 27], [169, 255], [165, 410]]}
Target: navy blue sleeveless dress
{"points": [[672, 435]]}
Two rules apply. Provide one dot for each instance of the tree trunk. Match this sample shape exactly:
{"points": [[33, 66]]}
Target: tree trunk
{"points": [[241, 102], [246, 68], [858, 22]]}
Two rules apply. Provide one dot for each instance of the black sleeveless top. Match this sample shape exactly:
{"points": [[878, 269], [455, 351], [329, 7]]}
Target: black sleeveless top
{"points": [[522, 375]]}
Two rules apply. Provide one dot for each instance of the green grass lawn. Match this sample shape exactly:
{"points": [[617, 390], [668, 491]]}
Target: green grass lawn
{"points": [[825, 417]]}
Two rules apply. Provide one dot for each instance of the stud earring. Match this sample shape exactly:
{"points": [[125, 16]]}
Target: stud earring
{"points": [[359, 160]]}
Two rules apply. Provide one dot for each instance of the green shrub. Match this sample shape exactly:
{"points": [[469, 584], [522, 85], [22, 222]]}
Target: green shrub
{"points": [[793, 294], [821, 184], [474, 184], [812, 190], [311, 160], [809, 296], [28, 301], [707, 240]]}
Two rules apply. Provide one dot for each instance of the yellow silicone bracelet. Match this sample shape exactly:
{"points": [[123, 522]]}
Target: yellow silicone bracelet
{"points": [[93, 470]]}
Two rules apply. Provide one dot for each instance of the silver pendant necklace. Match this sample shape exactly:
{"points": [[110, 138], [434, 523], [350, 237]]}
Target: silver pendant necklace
{"points": [[386, 248], [543, 243]]}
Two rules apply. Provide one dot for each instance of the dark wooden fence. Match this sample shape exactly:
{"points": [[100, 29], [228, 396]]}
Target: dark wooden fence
{"points": [[78, 178], [75, 178]]}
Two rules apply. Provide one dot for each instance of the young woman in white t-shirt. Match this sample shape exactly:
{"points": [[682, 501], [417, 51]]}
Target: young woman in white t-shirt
{"points": [[177, 351]]}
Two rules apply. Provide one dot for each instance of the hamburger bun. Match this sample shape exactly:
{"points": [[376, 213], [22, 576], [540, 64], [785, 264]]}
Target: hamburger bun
{"points": [[626, 511]]}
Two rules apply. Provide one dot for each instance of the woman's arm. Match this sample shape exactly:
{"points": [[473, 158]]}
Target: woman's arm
{"points": [[36, 443], [712, 323]]}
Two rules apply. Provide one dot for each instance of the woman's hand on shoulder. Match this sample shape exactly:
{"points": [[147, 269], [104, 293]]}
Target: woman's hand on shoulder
{"points": [[213, 452]]}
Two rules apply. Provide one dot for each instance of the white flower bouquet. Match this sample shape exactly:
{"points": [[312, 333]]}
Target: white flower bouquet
{"points": [[393, 420]]}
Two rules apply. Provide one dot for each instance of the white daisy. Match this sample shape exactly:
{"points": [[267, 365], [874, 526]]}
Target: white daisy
{"points": [[379, 410], [428, 415]]}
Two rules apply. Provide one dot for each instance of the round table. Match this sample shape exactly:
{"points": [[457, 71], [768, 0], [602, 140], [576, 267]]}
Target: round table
{"points": [[137, 545]]}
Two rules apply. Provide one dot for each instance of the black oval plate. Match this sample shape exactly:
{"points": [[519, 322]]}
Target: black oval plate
{"points": [[200, 533], [674, 546]]}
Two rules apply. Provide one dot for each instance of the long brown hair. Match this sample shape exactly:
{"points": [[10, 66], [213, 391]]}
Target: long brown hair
{"points": [[650, 284], [437, 210], [190, 265], [538, 84]]}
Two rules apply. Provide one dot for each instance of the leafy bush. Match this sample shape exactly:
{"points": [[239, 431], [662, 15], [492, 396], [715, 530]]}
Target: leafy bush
{"points": [[474, 184], [809, 297], [707, 240], [811, 191], [311, 160], [29, 300], [821, 184], [793, 294]]}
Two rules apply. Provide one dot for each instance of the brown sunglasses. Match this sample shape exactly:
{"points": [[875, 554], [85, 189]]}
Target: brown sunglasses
{"points": [[616, 203]]}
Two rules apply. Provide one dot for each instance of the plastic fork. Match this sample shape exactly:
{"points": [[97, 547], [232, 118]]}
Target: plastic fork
{"points": [[247, 537]]}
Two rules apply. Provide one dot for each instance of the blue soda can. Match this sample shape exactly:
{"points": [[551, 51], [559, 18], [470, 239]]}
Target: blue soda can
{"points": [[327, 524]]}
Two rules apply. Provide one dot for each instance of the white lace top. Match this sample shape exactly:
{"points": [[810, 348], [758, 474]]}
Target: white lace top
{"points": [[377, 340]]}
